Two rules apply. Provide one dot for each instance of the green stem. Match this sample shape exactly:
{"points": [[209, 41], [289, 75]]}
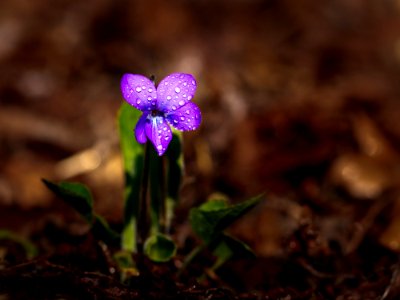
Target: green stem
{"points": [[163, 199], [190, 257], [143, 205]]}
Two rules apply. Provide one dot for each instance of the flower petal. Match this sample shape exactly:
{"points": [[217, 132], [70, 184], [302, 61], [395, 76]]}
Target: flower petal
{"points": [[175, 91], [159, 133], [140, 131], [188, 117], [139, 91]]}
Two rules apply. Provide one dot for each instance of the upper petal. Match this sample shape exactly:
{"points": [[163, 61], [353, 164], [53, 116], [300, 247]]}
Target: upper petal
{"points": [[175, 91], [187, 117], [159, 133], [139, 91], [140, 129]]}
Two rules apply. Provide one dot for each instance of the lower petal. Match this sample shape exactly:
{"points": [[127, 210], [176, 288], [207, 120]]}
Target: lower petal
{"points": [[187, 117], [140, 132], [159, 133]]}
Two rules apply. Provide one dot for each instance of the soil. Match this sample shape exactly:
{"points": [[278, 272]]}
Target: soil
{"points": [[299, 99]]}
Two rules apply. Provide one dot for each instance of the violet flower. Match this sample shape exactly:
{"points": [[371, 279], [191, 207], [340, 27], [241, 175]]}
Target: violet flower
{"points": [[168, 103]]}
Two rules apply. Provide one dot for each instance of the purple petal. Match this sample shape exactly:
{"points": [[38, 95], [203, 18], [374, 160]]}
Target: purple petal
{"points": [[139, 92], [186, 118], [140, 132], [159, 133], [175, 91]]}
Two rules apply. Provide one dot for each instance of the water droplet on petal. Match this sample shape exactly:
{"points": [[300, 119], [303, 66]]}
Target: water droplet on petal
{"points": [[143, 87], [181, 102], [138, 89], [166, 138], [185, 83], [193, 82], [168, 97], [182, 118], [189, 97], [159, 147], [177, 90], [149, 98], [175, 121], [188, 112], [173, 107], [150, 90], [138, 101]]}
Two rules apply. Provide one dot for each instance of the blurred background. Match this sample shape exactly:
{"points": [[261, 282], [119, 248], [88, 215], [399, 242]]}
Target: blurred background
{"points": [[300, 99]]}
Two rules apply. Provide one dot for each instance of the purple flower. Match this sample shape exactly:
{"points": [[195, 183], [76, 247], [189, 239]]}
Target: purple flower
{"points": [[168, 103]]}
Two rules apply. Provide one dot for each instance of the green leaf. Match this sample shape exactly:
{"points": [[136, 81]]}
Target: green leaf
{"points": [[133, 155], [101, 230], [79, 198], [159, 248], [30, 249], [126, 264], [76, 195], [229, 247], [212, 217]]}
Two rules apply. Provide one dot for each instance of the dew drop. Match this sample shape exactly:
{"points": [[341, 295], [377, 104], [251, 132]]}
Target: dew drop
{"points": [[184, 95], [159, 147], [183, 118], [181, 102], [175, 121], [177, 90], [138, 89], [185, 83], [193, 82], [189, 97], [168, 97], [166, 138], [173, 107], [149, 98], [143, 87], [188, 112], [150, 90], [138, 101]]}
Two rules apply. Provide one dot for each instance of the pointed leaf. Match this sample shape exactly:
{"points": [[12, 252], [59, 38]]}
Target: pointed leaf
{"points": [[76, 195], [210, 219]]}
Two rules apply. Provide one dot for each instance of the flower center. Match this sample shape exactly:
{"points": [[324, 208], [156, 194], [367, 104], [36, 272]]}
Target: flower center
{"points": [[154, 113]]}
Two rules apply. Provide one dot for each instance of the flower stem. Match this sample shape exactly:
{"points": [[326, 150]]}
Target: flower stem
{"points": [[143, 205]]}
